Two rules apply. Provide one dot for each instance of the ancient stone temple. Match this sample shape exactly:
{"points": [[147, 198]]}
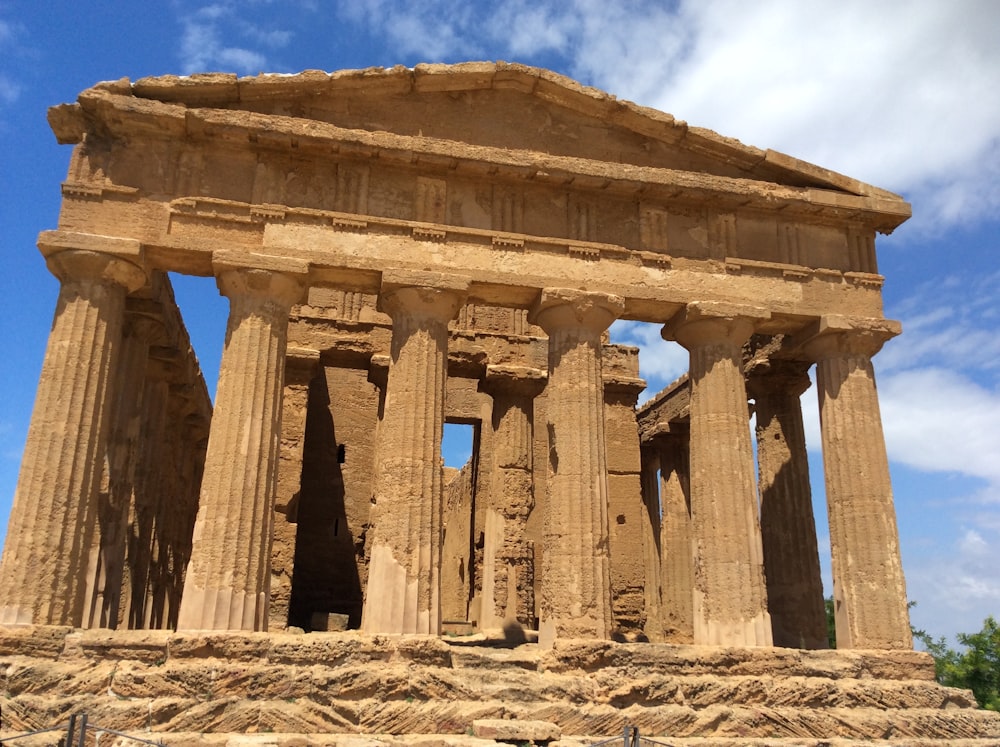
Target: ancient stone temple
{"points": [[407, 248]]}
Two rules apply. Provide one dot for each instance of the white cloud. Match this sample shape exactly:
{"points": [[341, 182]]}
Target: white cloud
{"points": [[10, 91], [206, 41], [10, 88], [660, 362], [956, 587], [937, 420], [895, 93]]}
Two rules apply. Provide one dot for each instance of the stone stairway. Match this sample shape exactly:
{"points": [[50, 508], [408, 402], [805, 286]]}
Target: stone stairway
{"points": [[346, 689]]}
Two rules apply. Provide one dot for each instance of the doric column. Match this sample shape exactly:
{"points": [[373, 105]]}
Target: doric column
{"points": [[730, 601], [651, 526], [300, 367], [43, 575], [226, 585], [148, 492], [576, 584], [194, 441], [676, 548], [788, 529], [508, 562], [630, 536], [869, 591], [403, 593], [115, 495]]}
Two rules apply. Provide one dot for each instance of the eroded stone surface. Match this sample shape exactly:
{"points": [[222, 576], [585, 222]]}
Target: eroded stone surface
{"points": [[341, 686], [404, 248]]}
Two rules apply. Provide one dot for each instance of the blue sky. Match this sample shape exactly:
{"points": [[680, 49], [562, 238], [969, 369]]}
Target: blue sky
{"points": [[905, 95]]}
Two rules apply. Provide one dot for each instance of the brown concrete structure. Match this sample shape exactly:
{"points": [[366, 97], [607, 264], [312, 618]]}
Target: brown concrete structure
{"points": [[406, 248]]}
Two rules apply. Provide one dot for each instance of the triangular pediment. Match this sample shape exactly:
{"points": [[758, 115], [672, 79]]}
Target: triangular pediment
{"points": [[496, 106]]}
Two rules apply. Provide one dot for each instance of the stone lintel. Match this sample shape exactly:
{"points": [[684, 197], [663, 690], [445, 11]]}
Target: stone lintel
{"points": [[834, 334], [301, 365], [305, 357], [668, 428]]}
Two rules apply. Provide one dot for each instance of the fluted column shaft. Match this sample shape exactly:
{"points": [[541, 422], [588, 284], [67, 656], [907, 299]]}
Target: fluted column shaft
{"points": [[301, 366], [870, 605], [115, 494], [788, 529], [403, 591], [148, 493], [508, 562], [576, 581], [730, 601], [676, 549], [651, 526], [226, 585], [51, 532]]}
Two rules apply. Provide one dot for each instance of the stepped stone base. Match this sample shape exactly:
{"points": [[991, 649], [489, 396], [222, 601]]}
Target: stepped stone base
{"points": [[345, 689]]}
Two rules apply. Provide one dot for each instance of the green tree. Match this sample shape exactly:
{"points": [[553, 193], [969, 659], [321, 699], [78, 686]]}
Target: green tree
{"points": [[831, 625], [977, 668]]}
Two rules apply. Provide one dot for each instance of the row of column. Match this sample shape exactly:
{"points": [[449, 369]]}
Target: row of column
{"points": [[723, 554], [101, 523], [227, 578]]}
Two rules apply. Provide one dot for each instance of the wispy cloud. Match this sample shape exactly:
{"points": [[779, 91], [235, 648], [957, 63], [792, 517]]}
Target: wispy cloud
{"points": [[897, 94], [660, 362], [10, 87], [216, 37]]}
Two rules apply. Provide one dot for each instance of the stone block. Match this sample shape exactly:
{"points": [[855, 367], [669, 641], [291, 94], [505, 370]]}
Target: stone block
{"points": [[508, 730], [328, 621], [40, 641]]}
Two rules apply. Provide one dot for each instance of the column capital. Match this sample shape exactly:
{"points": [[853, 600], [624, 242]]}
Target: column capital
{"points": [[84, 265], [505, 377], [707, 322], [144, 327], [378, 370], [836, 336], [301, 364], [433, 295], [778, 375], [559, 308], [627, 385], [281, 288]]}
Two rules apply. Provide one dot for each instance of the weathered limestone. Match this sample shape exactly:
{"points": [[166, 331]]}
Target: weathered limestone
{"points": [[575, 567], [115, 495], [730, 601], [351, 233], [403, 575], [788, 529], [149, 493], [677, 550], [652, 552], [508, 557], [869, 593], [228, 575], [43, 575], [630, 537], [301, 366]]}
